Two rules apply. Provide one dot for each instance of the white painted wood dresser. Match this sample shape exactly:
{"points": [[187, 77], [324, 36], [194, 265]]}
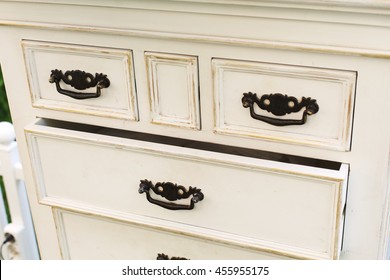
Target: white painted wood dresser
{"points": [[221, 129]]}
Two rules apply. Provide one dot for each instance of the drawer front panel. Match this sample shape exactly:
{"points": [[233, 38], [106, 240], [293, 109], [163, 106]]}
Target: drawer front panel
{"points": [[279, 107], [90, 237], [270, 205], [117, 97]]}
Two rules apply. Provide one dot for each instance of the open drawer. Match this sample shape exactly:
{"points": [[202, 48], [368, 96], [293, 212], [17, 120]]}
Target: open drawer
{"points": [[272, 206]]}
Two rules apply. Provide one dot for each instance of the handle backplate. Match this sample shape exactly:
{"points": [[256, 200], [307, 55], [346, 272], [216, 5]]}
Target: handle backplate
{"points": [[79, 80], [279, 105], [166, 257], [171, 192]]}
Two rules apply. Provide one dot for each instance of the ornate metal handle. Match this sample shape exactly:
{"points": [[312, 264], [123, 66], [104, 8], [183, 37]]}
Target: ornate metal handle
{"points": [[166, 257], [79, 80], [171, 192], [280, 105]]}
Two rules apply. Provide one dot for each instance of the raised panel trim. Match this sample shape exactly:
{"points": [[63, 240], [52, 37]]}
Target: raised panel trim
{"points": [[58, 215], [336, 179], [125, 57], [246, 243], [61, 234], [190, 63], [347, 79]]}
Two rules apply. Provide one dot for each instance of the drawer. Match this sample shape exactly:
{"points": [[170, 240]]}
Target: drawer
{"points": [[287, 103], [287, 209], [93, 81], [83, 236]]}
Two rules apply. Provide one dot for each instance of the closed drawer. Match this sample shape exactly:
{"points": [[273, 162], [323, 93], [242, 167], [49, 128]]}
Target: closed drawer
{"points": [[85, 236], [287, 209], [293, 104], [94, 81], [173, 89]]}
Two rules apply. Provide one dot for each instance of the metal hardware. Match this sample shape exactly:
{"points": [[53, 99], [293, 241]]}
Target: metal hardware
{"points": [[166, 257], [171, 192], [280, 105], [79, 80]]}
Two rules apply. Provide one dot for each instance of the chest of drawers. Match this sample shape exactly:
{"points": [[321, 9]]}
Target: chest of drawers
{"points": [[202, 129]]}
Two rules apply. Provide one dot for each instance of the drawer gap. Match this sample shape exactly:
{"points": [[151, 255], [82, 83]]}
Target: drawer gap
{"points": [[193, 144]]}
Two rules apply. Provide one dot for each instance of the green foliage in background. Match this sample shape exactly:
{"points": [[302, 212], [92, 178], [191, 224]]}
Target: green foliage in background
{"points": [[4, 197], [4, 110], [4, 116]]}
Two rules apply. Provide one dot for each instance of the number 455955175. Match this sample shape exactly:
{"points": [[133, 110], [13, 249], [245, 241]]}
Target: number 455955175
{"points": [[242, 270]]}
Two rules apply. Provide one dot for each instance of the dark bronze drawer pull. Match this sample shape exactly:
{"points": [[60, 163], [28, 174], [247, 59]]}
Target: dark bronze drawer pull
{"points": [[171, 192], [280, 105], [166, 257], [79, 80]]}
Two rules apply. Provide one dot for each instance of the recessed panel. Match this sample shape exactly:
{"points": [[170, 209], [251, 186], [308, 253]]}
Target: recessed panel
{"points": [[173, 89], [292, 104], [78, 79], [85, 236]]}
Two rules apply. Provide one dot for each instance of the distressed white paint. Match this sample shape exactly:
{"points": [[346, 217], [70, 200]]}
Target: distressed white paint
{"points": [[173, 89], [89, 237], [304, 201], [334, 91], [116, 101], [349, 35], [21, 225]]}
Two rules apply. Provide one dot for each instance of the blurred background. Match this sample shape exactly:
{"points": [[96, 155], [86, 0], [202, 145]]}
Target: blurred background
{"points": [[4, 116], [4, 110]]}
